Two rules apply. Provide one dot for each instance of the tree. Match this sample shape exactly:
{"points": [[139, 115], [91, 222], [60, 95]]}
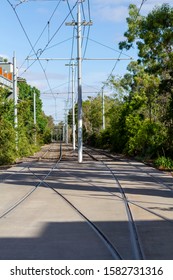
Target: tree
{"points": [[7, 133], [153, 37], [24, 145], [26, 116]]}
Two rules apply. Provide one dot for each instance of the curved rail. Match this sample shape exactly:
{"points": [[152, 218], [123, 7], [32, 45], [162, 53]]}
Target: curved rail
{"points": [[127, 201], [114, 252], [137, 248], [23, 198]]}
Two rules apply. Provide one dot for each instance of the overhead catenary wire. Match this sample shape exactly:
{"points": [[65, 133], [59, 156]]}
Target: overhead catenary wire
{"points": [[89, 9], [53, 46], [24, 1], [50, 40], [29, 42], [38, 54], [108, 47], [84, 19], [71, 12], [88, 32], [46, 26], [87, 38], [60, 25], [33, 49], [70, 62]]}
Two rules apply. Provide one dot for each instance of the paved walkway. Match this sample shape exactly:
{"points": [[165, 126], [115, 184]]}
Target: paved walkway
{"points": [[44, 226]]}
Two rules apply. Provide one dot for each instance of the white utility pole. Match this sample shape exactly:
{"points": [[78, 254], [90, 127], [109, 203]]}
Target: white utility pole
{"points": [[35, 121], [63, 133], [66, 128], [73, 106], [103, 109], [66, 122], [79, 59], [15, 97], [73, 111], [79, 25]]}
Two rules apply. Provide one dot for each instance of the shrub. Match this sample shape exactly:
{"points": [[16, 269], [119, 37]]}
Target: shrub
{"points": [[164, 163], [8, 152]]}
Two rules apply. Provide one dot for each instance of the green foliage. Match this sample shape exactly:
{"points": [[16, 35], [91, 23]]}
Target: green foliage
{"points": [[144, 125], [21, 142], [146, 138], [92, 116], [100, 140], [26, 116], [141, 115], [46, 136], [8, 152], [134, 21], [164, 163]]}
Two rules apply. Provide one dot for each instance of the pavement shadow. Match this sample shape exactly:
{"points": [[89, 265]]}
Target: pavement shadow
{"points": [[76, 241]]}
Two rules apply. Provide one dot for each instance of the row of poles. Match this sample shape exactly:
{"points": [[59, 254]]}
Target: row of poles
{"points": [[79, 25], [72, 65]]}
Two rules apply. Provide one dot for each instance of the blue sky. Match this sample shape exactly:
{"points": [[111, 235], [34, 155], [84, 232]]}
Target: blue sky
{"points": [[109, 25]]}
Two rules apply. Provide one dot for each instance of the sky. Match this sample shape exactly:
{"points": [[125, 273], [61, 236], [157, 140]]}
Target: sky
{"points": [[36, 28]]}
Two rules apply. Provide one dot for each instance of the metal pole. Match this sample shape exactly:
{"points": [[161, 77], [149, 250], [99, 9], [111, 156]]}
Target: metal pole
{"points": [[73, 109], [35, 139], [66, 122], [34, 109], [66, 128], [79, 51], [15, 98], [63, 133], [103, 110]]}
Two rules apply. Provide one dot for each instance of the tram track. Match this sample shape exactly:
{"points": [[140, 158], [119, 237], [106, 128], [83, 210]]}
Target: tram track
{"points": [[135, 240], [135, 236], [42, 181], [63, 172], [28, 193], [125, 198], [111, 248]]}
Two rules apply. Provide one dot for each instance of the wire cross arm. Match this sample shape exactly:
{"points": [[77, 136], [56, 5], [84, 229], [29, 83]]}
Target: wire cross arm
{"points": [[108, 58], [84, 23], [92, 58]]}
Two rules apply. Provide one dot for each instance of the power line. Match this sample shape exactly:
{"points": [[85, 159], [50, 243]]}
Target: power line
{"points": [[71, 12], [31, 45], [88, 32], [86, 44], [60, 26], [46, 46], [89, 10], [55, 45], [103, 45], [49, 20]]}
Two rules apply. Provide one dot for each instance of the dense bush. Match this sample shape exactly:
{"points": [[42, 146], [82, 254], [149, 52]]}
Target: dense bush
{"points": [[8, 151], [139, 113], [164, 163], [19, 142]]}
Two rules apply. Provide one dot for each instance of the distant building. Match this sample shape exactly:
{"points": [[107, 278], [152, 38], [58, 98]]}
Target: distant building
{"points": [[6, 75]]}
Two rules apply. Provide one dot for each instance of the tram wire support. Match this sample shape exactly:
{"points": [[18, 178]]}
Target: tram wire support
{"points": [[79, 59]]}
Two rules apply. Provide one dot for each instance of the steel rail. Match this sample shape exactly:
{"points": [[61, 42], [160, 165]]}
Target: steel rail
{"points": [[114, 252], [23, 198], [137, 248]]}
